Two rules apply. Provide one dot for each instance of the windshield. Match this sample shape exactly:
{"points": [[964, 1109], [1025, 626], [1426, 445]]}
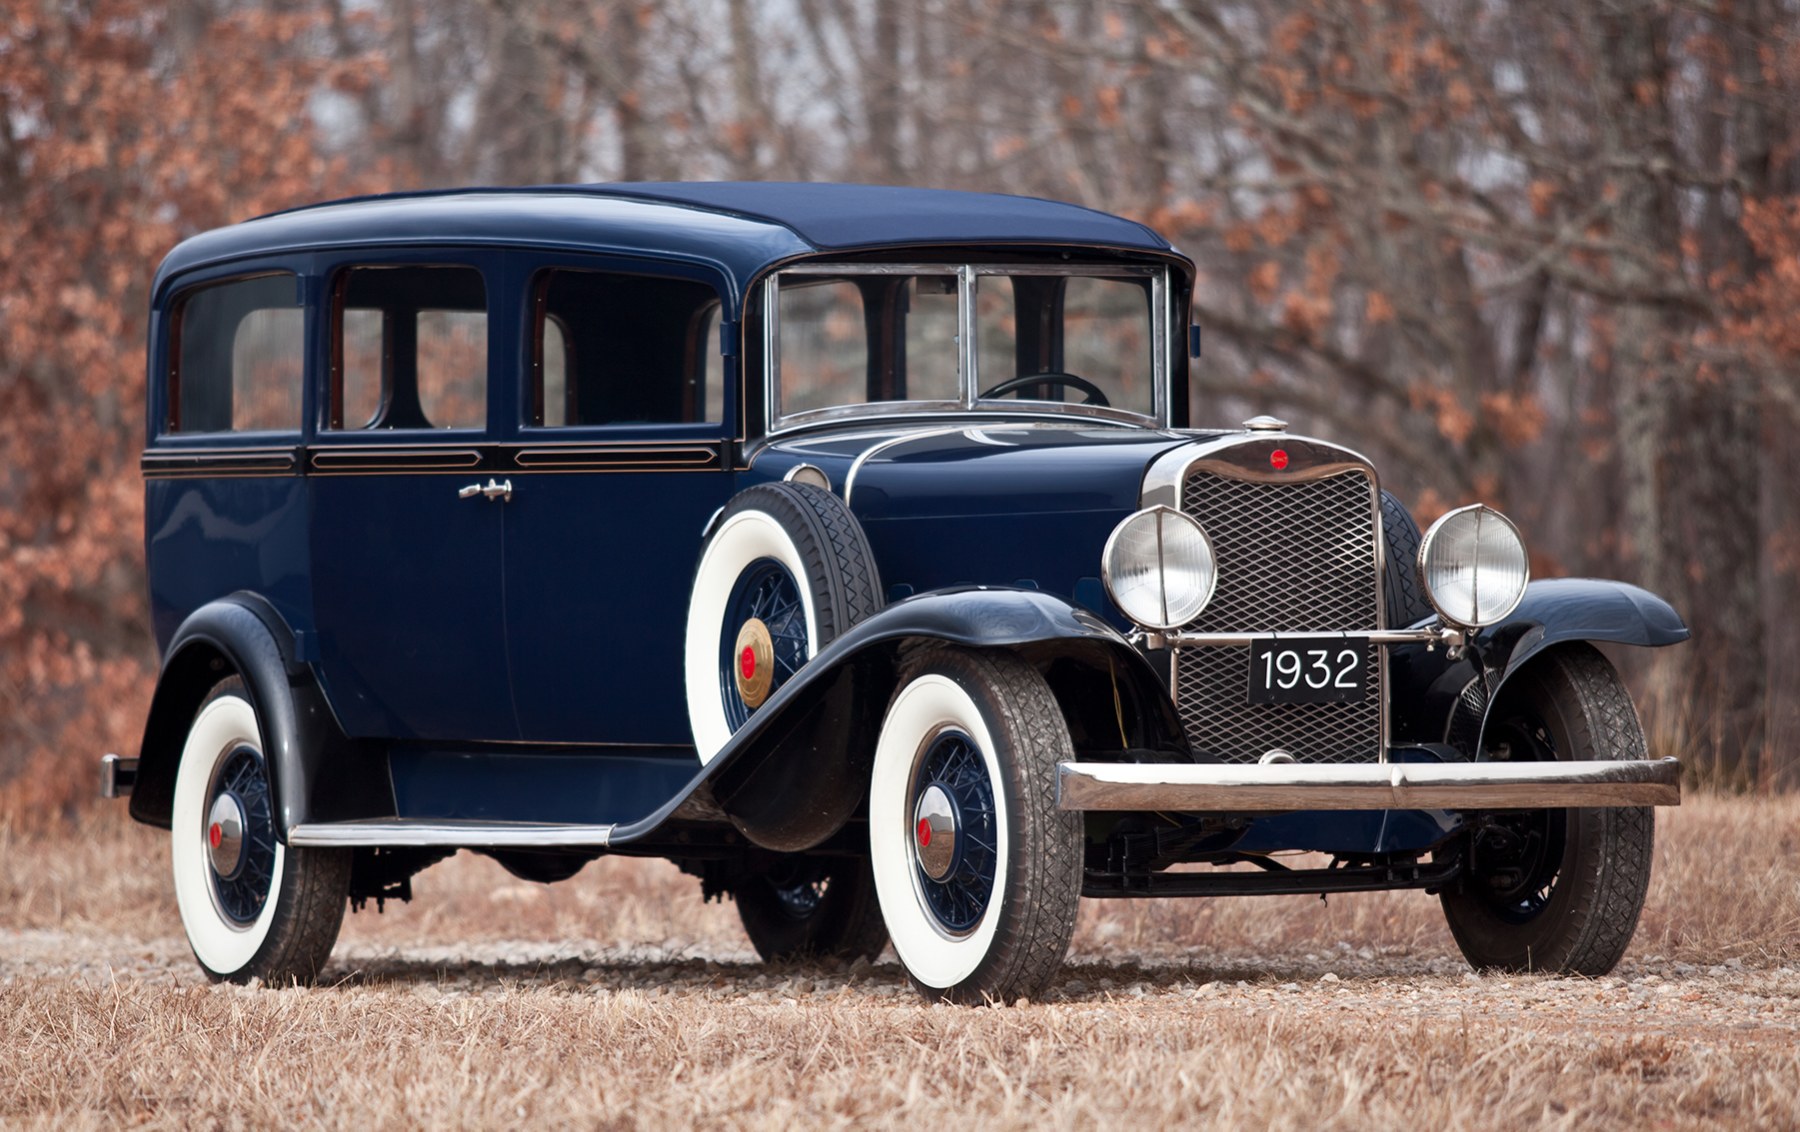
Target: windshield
{"points": [[1077, 339]]}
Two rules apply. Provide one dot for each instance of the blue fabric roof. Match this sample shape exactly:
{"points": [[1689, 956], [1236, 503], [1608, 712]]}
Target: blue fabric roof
{"points": [[832, 216], [738, 227]]}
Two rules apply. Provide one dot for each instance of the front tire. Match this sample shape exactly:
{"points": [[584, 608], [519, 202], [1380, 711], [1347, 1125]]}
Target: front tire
{"points": [[978, 871], [253, 908], [1557, 891]]}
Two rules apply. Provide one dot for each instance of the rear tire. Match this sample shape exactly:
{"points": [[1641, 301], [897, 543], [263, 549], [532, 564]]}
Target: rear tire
{"points": [[1557, 891], [266, 910], [813, 908], [978, 870]]}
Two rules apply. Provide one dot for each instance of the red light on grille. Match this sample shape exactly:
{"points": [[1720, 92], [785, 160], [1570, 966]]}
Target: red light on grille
{"points": [[1278, 459]]}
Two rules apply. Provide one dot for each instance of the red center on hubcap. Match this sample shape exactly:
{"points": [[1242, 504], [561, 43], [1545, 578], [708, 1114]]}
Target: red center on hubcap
{"points": [[747, 662], [215, 835], [924, 832]]}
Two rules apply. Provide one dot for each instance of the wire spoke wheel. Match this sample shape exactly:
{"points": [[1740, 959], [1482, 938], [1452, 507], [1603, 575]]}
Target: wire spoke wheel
{"points": [[978, 870], [785, 571], [252, 907], [1555, 890], [242, 859], [812, 908]]}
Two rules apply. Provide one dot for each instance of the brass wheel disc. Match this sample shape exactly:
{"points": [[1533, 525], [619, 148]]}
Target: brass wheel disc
{"points": [[754, 671]]}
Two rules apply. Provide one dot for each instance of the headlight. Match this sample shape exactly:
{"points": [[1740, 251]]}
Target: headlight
{"points": [[1158, 567], [1472, 562]]}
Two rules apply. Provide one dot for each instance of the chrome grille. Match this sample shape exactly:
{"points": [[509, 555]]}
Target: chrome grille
{"points": [[1294, 556]]}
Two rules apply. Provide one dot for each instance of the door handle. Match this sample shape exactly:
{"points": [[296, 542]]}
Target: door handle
{"points": [[501, 490]]}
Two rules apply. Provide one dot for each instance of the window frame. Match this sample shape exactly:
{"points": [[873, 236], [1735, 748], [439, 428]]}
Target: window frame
{"points": [[332, 275], [165, 401], [969, 275], [532, 270]]}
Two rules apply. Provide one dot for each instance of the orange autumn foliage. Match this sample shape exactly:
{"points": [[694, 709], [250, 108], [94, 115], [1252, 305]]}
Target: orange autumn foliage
{"points": [[129, 130]]}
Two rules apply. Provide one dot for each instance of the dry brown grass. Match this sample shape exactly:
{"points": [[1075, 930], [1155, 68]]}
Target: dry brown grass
{"points": [[619, 999]]}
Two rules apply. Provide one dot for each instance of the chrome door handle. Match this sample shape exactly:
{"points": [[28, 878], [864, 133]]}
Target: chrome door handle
{"points": [[501, 490]]}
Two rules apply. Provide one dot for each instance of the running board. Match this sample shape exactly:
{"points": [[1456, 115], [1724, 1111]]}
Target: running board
{"points": [[448, 833], [1256, 787]]}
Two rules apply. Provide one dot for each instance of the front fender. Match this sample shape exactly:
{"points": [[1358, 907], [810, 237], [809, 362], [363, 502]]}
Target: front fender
{"points": [[1441, 701], [308, 756], [798, 771]]}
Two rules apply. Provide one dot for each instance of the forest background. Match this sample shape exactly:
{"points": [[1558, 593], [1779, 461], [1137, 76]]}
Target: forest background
{"points": [[1541, 255]]}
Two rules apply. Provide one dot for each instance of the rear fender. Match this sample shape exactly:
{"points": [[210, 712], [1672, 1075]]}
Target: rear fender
{"points": [[798, 771], [316, 774]]}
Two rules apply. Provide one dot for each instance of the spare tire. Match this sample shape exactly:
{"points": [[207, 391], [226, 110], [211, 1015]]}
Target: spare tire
{"points": [[786, 570], [1406, 601]]}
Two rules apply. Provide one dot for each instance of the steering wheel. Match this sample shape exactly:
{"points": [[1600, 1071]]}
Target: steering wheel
{"points": [[1095, 395]]}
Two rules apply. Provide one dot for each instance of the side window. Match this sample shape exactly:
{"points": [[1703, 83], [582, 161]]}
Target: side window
{"points": [[610, 348], [240, 350], [409, 349]]}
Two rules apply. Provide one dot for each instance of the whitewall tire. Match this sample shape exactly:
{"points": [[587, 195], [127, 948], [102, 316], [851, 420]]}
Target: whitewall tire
{"points": [[977, 870], [251, 906], [785, 571]]}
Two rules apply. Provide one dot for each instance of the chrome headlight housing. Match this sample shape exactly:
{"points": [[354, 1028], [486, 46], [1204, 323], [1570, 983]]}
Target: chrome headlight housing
{"points": [[1159, 568], [1473, 566]]}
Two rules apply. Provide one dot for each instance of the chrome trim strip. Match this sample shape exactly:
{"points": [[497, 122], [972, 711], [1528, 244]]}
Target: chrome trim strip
{"points": [[968, 380], [359, 459], [608, 456], [1235, 788], [189, 463], [1162, 482], [118, 776], [872, 450], [1441, 635], [875, 411], [460, 834]]}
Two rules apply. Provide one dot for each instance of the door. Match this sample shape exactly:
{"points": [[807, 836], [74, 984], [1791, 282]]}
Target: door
{"points": [[406, 546], [620, 460]]}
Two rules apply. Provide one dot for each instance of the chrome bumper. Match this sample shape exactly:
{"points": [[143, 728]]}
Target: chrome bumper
{"points": [[117, 776], [1237, 788]]}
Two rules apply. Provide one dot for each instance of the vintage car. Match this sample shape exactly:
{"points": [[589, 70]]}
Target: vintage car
{"points": [[848, 546]]}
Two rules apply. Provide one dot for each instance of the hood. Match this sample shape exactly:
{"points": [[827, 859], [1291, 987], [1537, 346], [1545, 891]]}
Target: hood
{"points": [[1004, 469]]}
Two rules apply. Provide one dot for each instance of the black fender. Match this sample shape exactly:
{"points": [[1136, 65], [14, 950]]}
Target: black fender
{"points": [[315, 773], [798, 771], [1436, 700]]}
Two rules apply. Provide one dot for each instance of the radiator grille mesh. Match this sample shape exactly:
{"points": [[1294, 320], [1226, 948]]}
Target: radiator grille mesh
{"points": [[1292, 557]]}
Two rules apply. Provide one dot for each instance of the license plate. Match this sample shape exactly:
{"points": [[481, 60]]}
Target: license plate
{"points": [[1309, 670]]}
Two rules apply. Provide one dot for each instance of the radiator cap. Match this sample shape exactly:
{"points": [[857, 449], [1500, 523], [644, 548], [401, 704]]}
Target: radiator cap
{"points": [[1266, 424]]}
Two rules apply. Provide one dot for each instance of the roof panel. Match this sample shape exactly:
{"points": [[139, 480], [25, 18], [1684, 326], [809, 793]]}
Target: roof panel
{"points": [[741, 227]]}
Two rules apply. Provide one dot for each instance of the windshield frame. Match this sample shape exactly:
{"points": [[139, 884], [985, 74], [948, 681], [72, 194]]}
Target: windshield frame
{"points": [[968, 376]]}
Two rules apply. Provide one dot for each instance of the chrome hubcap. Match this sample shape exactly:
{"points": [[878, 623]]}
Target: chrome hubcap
{"points": [[225, 835], [934, 832]]}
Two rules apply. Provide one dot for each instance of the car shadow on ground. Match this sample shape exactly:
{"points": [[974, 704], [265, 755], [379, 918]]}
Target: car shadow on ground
{"points": [[1083, 980]]}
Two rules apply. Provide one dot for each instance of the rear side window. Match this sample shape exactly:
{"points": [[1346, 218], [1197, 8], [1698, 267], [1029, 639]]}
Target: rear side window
{"points": [[239, 357], [624, 349], [409, 349]]}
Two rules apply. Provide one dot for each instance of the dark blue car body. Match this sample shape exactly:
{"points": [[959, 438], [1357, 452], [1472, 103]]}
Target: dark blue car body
{"points": [[422, 652]]}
